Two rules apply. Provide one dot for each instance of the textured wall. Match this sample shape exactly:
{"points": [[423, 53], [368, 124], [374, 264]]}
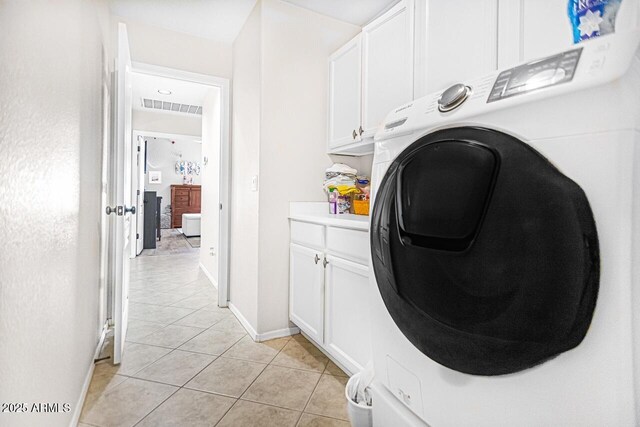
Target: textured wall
{"points": [[245, 152], [50, 167], [279, 134]]}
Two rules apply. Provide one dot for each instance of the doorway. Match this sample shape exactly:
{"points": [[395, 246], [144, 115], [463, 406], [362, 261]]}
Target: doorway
{"points": [[211, 169], [125, 188]]}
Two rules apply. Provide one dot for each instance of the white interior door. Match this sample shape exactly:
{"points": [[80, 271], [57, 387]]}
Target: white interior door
{"points": [[140, 159], [121, 193]]}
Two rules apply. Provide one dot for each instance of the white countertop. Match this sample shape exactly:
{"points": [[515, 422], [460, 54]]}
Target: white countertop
{"points": [[318, 213]]}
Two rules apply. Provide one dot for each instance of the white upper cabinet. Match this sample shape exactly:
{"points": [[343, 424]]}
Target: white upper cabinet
{"points": [[387, 46], [456, 40], [531, 29], [368, 77], [345, 94], [546, 28]]}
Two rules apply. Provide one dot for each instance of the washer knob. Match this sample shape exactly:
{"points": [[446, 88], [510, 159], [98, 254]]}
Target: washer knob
{"points": [[453, 97]]}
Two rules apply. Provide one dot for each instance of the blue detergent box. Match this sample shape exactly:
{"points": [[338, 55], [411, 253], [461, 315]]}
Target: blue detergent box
{"points": [[592, 18]]}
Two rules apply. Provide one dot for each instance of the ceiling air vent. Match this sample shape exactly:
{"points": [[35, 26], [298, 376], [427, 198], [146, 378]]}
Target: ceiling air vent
{"points": [[155, 104]]}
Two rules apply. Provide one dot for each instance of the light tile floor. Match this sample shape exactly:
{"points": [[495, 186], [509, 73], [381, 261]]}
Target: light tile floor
{"points": [[188, 362], [173, 242]]}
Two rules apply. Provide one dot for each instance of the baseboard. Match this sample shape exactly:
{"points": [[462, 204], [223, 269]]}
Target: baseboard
{"points": [[271, 335], [206, 272], [265, 336], [87, 379], [83, 395], [243, 321]]}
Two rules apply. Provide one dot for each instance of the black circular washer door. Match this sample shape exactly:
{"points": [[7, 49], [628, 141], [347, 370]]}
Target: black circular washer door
{"points": [[485, 254]]}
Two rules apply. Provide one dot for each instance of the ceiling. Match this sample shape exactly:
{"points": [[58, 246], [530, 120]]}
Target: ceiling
{"points": [[222, 20], [218, 20], [357, 12], [182, 92]]}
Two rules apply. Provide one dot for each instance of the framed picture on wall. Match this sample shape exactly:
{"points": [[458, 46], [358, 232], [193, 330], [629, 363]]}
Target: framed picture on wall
{"points": [[155, 177]]}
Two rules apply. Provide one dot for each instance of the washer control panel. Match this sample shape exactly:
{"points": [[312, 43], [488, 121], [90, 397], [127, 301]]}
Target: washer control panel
{"points": [[535, 75], [453, 97]]}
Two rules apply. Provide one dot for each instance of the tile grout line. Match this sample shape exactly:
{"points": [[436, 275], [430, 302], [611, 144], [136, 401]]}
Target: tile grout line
{"points": [[182, 387], [160, 404], [173, 350], [310, 396], [308, 346]]}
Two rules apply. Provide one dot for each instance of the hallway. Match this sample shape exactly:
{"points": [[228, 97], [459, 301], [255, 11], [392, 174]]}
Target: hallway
{"points": [[188, 362]]}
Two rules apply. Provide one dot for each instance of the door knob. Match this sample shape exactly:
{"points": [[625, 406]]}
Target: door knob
{"points": [[361, 131], [111, 210], [316, 259], [131, 210], [325, 262], [354, 134]]}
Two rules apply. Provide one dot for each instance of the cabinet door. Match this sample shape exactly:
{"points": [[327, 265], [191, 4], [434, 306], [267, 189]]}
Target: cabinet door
{"points": [[347, 333], [519, 30], [546, 28], [387, 68], [306, 291], [345, 94], [459, 42], [195, 200]]}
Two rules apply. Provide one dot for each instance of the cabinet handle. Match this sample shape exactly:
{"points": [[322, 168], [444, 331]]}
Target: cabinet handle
{"points": [[325, 262], [354, 134], [361, 130], [316, 259]]}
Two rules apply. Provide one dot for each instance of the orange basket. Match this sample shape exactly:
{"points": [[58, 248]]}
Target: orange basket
{"points": [[361, 207]]}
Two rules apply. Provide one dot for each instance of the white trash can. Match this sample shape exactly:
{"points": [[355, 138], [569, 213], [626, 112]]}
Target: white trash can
{"points": [[360, 414]]}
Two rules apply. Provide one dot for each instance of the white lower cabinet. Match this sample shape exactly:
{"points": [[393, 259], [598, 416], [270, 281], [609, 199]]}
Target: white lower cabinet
{"points": [[347, 328], [306, 293], [328, 293]]}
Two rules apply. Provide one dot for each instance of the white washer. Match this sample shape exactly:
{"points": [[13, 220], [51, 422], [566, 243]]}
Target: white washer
{"points": [[587, 125]]}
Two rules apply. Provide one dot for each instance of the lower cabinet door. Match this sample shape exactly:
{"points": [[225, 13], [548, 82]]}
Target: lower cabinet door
{"points": [[306, 291], [347, 334]]}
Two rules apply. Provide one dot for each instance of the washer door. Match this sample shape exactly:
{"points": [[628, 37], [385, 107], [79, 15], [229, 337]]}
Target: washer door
{"points": [[486, 255]]}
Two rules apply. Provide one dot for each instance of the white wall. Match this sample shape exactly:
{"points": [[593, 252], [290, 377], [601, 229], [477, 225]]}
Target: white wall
{"points": [[210, 223], [245, 159], [157, 46], [284, 51], [296, 45], [162, 155], [150, 121], [51, 70]]}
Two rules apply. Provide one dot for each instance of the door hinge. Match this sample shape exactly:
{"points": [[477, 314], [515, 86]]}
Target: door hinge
{"points": [[220, 206], [137, 236], [138, 148], [138, 192]]}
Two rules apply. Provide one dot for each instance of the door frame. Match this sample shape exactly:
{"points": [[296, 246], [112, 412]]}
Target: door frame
{"points": [[224, 86], [142, 133], [135, 186]]}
